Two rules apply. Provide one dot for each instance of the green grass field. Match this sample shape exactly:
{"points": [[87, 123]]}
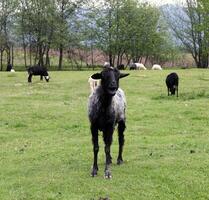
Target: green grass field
{"points": [[46, 150]]}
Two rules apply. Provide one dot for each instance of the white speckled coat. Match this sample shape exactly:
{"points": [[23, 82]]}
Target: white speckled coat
{"points": [[112, 114]]}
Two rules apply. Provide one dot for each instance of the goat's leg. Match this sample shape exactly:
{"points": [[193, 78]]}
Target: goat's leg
{"points": [[41, 77], [94, 132], [107, 135], [121, 128], [168, 91], [29, 78]]}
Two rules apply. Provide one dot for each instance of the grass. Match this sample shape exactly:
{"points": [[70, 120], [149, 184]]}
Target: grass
{"points": [[46, 150]]}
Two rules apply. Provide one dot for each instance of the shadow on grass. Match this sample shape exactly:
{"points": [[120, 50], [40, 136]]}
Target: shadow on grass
{"points": [[184, 96]]}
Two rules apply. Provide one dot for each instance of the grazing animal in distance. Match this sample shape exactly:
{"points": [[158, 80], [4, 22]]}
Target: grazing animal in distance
{"points": [[9, 67], [156, 67], [38, 70], [93, 83], [106, 109], [140, 66], [121, 67], [132, 66], [137, 66], [172, 83], [106, 64]]}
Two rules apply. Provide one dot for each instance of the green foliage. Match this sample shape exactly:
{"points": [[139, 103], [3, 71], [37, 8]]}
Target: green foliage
{"points": [[132, 29], [190, 26], [46, 151]]}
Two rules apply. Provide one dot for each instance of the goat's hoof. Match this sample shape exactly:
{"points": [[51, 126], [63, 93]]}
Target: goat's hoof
{"points": [[94, 172], [107, 174], [120, 161]]}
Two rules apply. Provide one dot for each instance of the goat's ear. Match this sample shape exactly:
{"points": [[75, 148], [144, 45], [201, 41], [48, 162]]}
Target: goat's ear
{"points": [[96, 76], [123, 75]]}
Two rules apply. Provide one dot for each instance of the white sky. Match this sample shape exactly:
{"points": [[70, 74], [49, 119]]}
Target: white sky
{"points": [[155, 2], [161, 2]]}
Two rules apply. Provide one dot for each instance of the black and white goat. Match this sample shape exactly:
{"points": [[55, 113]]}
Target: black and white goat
{"points": [[106, 109], [9, 67], [38, 70], [172, 82]]}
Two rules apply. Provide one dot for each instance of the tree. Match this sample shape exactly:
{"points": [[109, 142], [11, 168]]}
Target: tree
{"points": [[7, 13], [36, 28], [189, 26], [65, 9], [141, 26], [127, 28]]}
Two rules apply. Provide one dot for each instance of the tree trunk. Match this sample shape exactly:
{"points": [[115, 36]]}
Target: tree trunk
{"points": [[201, 61], [30, 55], [47, 58], [110, 58], [36, 56], [92, 56], [118, 59], [121, 59], [41, 54], [146, 59], [204, 61], [8, 55], [24, 51], [12, 56], [1, 60], [60, 57], [110, 38]]}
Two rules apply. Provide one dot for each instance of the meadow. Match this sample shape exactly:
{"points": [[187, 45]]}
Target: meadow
{"points": [[45, 141]]}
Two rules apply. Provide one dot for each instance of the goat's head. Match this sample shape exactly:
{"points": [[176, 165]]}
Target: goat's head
{"points": [[47, 78], [109, 79], [173, 89]]}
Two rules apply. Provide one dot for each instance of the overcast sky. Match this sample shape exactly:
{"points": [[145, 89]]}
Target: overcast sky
{"points": [[161, 2], [155, 2]]}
